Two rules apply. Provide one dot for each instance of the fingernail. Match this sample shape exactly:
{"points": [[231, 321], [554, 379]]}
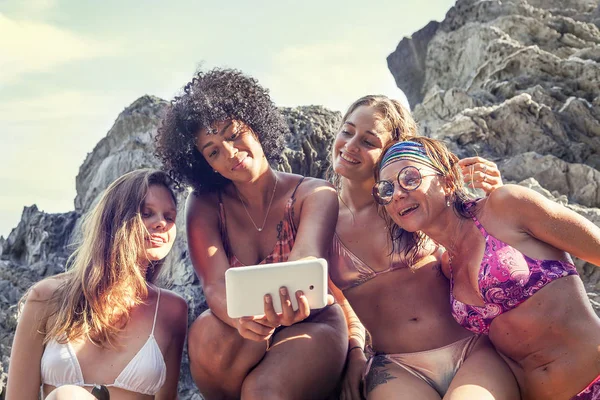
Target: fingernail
{"points": [[299, 293], [267, 299], [283, 291]]}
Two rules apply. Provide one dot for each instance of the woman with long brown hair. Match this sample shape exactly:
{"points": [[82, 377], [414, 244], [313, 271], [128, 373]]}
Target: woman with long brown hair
{"points": [[103, 329]]}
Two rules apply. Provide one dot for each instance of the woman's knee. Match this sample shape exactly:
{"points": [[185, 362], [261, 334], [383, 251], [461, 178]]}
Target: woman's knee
{"points": [[264, 389], [216, 348], [70, 392], [211, 341]]}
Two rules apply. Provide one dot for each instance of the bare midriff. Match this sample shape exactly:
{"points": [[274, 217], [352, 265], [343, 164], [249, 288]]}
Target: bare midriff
{"points": [[407, 311], [551, 341]]}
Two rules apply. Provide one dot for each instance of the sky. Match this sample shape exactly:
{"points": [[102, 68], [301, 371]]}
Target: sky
{"points": [[68, 68]]}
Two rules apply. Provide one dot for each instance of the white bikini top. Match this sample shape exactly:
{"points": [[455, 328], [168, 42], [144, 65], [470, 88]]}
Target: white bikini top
{"points": [[145, 373]]}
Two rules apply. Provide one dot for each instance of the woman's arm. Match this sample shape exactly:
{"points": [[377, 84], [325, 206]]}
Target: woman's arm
{"points": [[210, 263], [356, 359], [318, 205], [24, 376], [547, 221], [318, 217], [207, 253], [356, 330], [176, 322]]}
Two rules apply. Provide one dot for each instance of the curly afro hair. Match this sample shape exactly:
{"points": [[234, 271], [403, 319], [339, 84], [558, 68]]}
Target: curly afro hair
{"points": [[212, 96]]}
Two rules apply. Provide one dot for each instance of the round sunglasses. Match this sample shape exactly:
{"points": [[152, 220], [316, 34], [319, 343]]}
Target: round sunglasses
{"points": [[409, 178]]}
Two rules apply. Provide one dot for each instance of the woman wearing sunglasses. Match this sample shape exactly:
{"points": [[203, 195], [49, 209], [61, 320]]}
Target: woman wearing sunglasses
{"points": [[418, 350], [511, 276]]}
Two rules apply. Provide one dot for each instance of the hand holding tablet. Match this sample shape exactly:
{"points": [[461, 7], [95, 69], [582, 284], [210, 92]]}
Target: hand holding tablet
{"points": [[246, 288]]}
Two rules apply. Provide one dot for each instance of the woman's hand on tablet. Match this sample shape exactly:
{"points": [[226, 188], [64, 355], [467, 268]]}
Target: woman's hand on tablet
{"points": [[287, 316]]}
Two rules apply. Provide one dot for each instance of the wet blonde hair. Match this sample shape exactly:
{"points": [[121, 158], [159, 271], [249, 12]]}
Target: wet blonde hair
{"points": [[395, 117], [104, 279], [412, 245]]}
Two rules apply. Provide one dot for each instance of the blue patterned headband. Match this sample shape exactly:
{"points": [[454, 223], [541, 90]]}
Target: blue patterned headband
{"points": [[407, 150]]}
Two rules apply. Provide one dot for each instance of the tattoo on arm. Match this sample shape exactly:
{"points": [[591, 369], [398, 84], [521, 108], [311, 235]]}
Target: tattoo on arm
{"points": [[379, 373]]}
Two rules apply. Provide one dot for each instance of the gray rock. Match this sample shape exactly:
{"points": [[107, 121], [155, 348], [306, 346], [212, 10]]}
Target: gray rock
{"points": [[313, 129], [579, 182], [127, 146], [410, 57]]}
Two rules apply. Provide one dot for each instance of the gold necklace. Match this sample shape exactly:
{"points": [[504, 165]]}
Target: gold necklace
{"points": [[268, 208]]}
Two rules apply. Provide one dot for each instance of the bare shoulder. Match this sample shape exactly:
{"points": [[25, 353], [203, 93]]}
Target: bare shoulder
{"points": [[503, 202], [511, 194], [35, 305], [45, 289], [311, 186], [199, 203], [313, 183], [175, 312], [173, 302]]}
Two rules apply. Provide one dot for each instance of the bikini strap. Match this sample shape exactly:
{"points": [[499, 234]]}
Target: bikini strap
{"points": [[296, 188], [289, 213], [221, 208], [470, 205], [155, 313], [223, 226]]}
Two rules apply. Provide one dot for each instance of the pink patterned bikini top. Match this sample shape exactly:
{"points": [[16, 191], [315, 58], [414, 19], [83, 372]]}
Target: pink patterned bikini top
{"points": [[286, 234], [506, 279]]}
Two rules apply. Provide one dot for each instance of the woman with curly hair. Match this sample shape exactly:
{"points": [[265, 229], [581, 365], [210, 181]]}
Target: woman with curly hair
{"points": [[417, 350], [218, 137], [511, 276], [103, 329]]}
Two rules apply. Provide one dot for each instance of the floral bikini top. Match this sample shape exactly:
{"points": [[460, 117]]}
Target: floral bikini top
{"points": [[286, 234], [506, 279]]}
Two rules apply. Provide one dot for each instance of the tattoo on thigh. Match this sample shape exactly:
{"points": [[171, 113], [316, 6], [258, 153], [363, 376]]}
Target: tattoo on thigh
{"points": [[379, 373]]}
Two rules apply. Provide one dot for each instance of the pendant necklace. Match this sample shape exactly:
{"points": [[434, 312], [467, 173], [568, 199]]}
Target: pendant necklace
{"points": [[268, 208]]}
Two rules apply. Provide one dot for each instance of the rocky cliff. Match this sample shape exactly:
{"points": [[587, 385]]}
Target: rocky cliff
{"points": [[517, 82]]}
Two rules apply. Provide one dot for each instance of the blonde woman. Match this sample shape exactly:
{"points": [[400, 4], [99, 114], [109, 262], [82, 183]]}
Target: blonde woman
{"points": [[103, 329]]}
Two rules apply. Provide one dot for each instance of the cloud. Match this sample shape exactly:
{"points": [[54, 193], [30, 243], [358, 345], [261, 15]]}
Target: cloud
{"points": [[58, 105], [30, 46], [330, 74], [40, 6]]}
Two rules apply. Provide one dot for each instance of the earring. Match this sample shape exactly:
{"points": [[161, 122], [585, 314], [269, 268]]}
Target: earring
{"points": [[447, 201], [215, 171]]}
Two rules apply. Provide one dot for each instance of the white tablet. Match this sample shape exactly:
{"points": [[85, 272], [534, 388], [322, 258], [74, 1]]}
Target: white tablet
{"points": [[246, 287]]}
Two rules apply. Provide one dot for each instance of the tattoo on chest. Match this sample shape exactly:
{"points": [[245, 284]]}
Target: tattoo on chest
{"points": [[379, 373]]}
